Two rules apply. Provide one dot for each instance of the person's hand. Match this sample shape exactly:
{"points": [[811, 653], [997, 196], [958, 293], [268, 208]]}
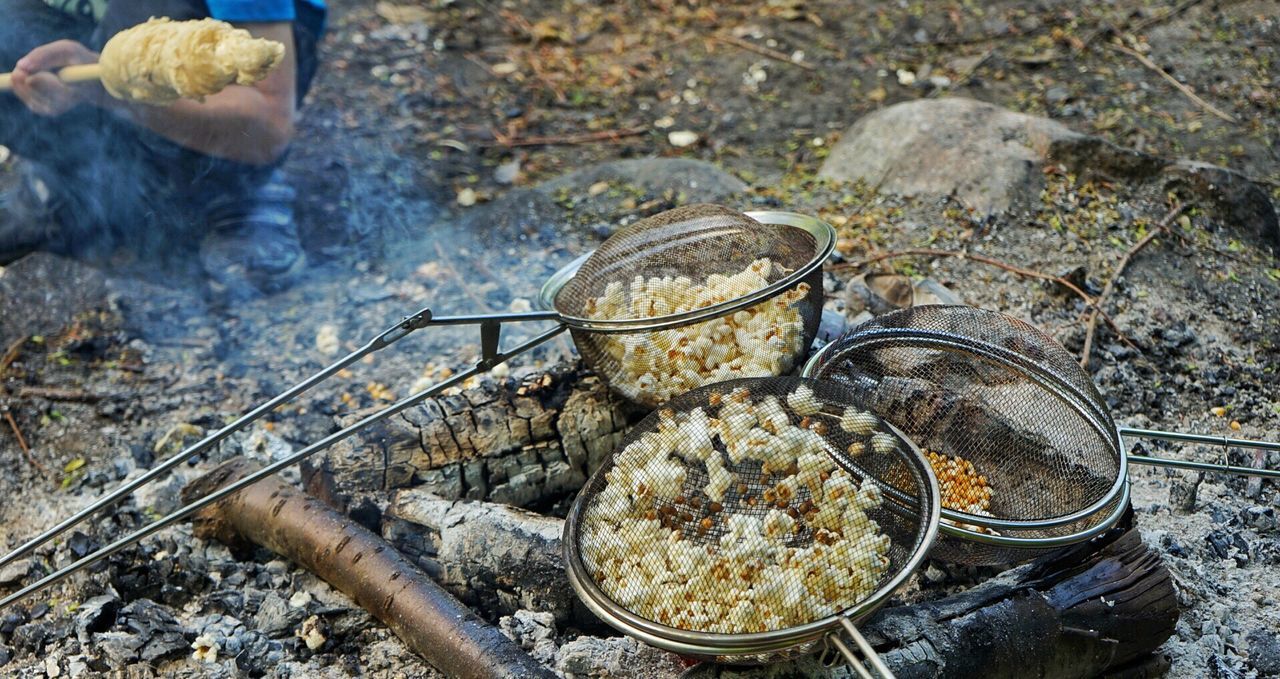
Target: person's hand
{"points": [[35, 82]]}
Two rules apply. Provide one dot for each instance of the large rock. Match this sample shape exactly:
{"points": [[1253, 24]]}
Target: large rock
{"points": [[989, 158], [41, 293], [992, 159]]}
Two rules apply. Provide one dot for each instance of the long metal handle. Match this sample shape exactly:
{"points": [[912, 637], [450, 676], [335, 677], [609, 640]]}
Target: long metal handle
{"points": [[869, 653], [1201, 438], [387, 337], [183, 512]]}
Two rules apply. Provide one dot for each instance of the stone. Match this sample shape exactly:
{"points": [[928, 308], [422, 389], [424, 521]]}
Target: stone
{"points": [[275, 616], [987, 157], [41, 293], [534, 631], [616, 657], [119, 648], [1183, 491], [1264, 651], [14, 572], [96, 615]]}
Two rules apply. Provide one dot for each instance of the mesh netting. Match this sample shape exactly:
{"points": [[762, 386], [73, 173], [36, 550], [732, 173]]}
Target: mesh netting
{"points": [[752, 506], [686, 259], [1015, 428]]}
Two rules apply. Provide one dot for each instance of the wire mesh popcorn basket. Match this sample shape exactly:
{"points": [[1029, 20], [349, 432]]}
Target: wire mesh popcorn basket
{"points": [[1028, 456], [752, 520]]}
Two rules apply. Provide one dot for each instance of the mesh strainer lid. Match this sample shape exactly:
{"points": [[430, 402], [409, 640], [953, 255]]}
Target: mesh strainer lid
{"points": [[1003, 402], [686, 246], [748, 515]]}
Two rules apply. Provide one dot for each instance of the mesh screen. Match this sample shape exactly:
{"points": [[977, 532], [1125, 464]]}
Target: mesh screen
{"points": [[753, 506], [685, 259], [955, 549], [969, 383]]}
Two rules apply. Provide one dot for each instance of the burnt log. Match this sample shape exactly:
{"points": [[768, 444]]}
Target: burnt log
{"points": [[496, 559], [301, 528], [512, 443], [1100, 608]]}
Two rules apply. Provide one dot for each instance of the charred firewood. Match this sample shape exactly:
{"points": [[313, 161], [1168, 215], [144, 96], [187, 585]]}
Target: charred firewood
{"points": [[299, 527], [495, 558], [514, 444]]}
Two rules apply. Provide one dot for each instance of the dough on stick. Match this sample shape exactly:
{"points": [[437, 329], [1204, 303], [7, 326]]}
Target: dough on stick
{"points": [[162, 60]]}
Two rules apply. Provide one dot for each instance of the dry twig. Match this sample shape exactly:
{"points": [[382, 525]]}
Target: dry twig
{"points": [[1173, 81], [982, 259], [55, 394], [963, 78], [11, 353], [1143, 25], [762, 51], [553, 140], [22, 443], [1155, 20], [1119, 271]]}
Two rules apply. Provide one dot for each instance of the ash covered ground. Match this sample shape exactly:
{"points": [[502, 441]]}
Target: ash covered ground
{"points": [[449, 157]]}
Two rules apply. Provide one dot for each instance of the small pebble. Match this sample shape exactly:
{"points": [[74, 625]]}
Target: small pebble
{"points": [[682, 138]]}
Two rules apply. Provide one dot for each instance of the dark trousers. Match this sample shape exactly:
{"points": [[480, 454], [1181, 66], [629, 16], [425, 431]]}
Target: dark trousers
{"points": [[116, 184]]}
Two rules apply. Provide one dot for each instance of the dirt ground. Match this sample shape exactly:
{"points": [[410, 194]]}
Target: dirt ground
{"points": [[426, 112]]}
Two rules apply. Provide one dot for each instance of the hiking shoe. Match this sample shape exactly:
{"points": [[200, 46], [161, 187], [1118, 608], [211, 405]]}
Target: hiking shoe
{"points": [[252, 247]]}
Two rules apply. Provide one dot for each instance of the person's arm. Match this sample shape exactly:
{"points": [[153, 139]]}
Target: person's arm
{"points": [[249, 124]]}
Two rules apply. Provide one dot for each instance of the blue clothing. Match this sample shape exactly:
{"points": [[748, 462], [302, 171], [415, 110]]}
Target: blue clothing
{"points": [[309, 12]]}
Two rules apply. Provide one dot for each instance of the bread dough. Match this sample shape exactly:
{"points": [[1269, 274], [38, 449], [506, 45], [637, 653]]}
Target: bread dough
{"points": [[163, 60]]}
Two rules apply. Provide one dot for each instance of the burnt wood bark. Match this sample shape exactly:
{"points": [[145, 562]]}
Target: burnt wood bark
{"points": [[495, 558], [305, 530], [513, 443], [1098, 609]]}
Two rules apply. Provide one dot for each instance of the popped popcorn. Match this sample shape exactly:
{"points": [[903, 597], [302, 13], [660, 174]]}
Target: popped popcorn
{"points": [[735, 518], [760, 341]]}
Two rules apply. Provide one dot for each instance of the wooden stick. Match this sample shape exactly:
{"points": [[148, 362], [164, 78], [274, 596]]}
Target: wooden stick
{"points": [[583, 138], [762, 51], [56, 394], [1173, 81], [81, 73], [1029, 273], [22, 443], [1124, 262], [348, 556], [11, 353]]}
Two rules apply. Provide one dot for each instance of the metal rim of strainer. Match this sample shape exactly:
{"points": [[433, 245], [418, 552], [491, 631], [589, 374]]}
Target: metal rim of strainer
{"points": [[824, 236], [720, 644], [1068, 394]]}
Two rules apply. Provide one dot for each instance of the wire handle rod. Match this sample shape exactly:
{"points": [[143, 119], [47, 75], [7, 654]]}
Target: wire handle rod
{"points": [[328, 441], [1201, 466], [851, 657], [389, 336], [1199, 438]]}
